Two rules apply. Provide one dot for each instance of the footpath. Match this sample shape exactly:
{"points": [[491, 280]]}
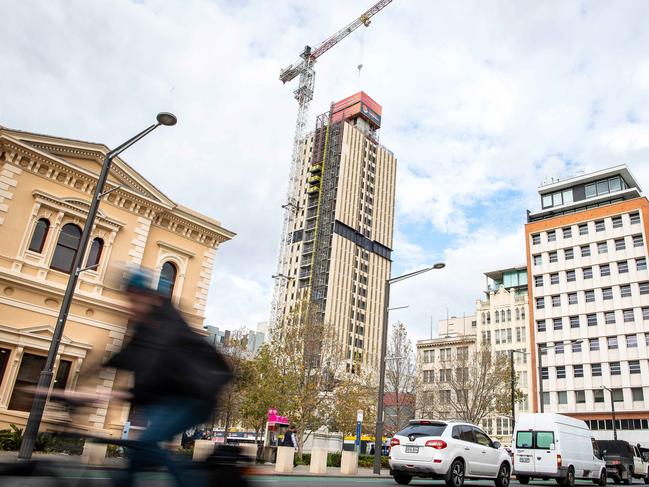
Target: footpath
{"points": [[265, 470], [303, 471]]}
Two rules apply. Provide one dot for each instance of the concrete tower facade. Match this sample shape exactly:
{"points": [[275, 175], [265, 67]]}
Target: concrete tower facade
{"points": [[340, 255]]}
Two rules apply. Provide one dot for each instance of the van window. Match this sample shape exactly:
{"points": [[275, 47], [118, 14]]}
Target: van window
{"points": [[544, 439], [524, 439], [534, 439]]}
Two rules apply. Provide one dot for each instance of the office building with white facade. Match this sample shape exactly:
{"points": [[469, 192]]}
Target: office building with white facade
{"points": [[589, 295]]}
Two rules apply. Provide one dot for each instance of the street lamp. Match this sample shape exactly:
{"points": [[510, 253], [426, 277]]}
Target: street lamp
{"points": [[513, 382], [378, 436], [612, 410], [45, 379], [540, 368]]}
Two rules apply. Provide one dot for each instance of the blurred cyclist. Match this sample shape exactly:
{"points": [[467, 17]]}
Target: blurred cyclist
{"points": [[176, 373]]}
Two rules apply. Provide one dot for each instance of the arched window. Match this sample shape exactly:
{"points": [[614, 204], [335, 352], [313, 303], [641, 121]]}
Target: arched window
{"points": [[167, 279], [509, 315], [488, 318], [522, 313], [518, 314], [95, 253], [66, 248], [39, 235], [483, 319], [497, 317]]}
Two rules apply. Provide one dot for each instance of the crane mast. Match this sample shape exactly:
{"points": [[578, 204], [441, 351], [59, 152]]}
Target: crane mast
{"points": [[303, 69]]}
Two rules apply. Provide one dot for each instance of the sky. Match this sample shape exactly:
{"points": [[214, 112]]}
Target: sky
{"points": [[482, 102]]}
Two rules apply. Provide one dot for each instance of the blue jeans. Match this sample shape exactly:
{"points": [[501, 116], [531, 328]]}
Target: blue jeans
{"points": [[167, 419]]}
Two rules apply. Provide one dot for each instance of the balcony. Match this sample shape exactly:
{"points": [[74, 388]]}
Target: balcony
{"points": [[315, 168], [313, 189], [315, 179]]}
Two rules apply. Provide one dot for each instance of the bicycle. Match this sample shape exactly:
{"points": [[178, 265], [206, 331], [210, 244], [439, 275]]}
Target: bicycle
{"points": [[226, 466]]}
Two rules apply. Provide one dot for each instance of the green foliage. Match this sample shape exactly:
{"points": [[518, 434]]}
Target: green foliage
{"points": [[10, 439], [43, 442], [304, 459], [367, 461], [333, 459], [114, 451], [265, 388]]}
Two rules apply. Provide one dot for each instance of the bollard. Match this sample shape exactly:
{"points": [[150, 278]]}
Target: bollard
{"points": [[318, 461], [93, 453], [202, 449], [249, 451], [349, 463], [285, 455]]}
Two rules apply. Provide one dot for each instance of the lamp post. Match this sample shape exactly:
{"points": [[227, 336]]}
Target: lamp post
{"points": [[45, 379], [540, 367], [378, 436], [612, 410], [513, 382]]}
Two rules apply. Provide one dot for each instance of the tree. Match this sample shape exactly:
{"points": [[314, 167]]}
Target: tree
{"points": [[400, 380], [352, 394], [470, 387], [228, 406], [311, 361], [265, 388]]}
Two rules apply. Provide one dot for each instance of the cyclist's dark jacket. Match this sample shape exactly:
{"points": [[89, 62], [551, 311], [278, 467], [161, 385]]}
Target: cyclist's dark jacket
{"points": [[168, 359]]}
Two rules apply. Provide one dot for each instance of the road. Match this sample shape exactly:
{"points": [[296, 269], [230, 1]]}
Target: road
{"points": [[100, 479]]}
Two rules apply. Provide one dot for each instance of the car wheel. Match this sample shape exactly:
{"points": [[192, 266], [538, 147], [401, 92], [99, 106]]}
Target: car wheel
{"points": [[569, 479], [503, 476], [523, 479], [455, 475], [402, 479], [646, 478], [601, 480]]}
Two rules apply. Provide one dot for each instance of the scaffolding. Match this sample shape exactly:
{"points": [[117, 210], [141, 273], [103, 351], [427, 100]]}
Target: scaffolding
{"points": [[303, 69]]}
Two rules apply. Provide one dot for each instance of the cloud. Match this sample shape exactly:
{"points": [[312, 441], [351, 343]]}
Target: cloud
{"points": [[482, 102]]}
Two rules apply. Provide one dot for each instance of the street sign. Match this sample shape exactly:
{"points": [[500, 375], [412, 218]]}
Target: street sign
{"points": [[359, 422]]}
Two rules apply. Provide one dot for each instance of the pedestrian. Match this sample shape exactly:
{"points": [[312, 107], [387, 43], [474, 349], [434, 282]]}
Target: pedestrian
{"points": [[290, 438]]}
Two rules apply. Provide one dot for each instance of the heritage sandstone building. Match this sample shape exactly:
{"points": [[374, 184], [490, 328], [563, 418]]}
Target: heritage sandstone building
{"points": [[46, 184]]}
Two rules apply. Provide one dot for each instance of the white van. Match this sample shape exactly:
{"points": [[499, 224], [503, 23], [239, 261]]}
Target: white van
{"points": [[550, 445]]}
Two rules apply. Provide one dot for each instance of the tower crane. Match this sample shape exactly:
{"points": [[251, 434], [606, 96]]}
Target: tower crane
{"points": [[303, 68]]}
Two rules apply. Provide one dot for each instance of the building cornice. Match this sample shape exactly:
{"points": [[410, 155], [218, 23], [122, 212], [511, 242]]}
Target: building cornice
{"points": [[441, 341], [31, 157]]}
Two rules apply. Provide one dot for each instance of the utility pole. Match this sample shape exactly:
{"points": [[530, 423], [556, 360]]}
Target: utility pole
{"points": [[612, 411]]}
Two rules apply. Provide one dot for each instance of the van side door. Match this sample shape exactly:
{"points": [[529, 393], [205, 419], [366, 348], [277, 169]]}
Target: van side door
{"points": [[639, 467], [597, 461]]}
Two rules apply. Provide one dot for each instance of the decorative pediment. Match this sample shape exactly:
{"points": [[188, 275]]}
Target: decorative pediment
{"points": [[77, 207], [77, 164], [84, 158], [40, 336]]}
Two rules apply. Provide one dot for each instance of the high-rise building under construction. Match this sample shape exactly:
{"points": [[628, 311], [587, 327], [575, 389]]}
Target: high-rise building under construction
{"points": [[340, 251]]}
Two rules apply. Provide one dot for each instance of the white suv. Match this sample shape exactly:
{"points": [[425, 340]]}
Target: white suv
{"points": [[449, 450]]}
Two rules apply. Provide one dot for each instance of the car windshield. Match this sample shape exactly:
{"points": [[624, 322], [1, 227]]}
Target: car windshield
{"points": [[423, 429]]}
